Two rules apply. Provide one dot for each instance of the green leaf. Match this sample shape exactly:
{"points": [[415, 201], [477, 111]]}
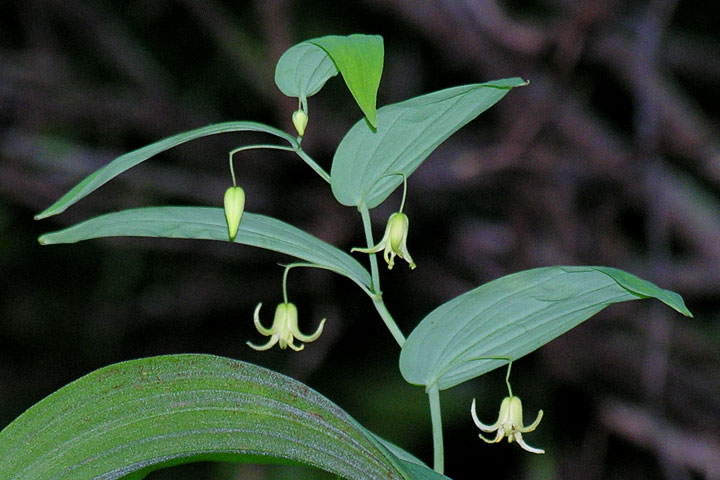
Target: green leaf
{"points": [[360, 60], [124, 162], [513, 316], [303, 70], [407, 133], [399, 452], [421, 472], [209, 224], [138, 416]]}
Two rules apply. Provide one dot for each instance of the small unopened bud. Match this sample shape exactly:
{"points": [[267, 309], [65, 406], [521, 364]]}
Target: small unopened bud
{"points": [[300, 120], [234, 206]]}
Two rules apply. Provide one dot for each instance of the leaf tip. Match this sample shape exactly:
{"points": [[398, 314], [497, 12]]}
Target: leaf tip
{"points": [[52, 210], [683, 309], [372, 118]]}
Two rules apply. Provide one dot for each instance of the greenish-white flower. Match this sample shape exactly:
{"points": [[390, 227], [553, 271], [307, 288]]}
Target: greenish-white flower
{"points": [[284, 329], [234, 203], [509, 423], [394, 242]]}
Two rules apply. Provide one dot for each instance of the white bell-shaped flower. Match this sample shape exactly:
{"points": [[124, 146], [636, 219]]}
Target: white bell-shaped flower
{"points": [[509, 423]]}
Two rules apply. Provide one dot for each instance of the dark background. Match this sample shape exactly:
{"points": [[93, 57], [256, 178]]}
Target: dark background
{"points": [[611, 156]]}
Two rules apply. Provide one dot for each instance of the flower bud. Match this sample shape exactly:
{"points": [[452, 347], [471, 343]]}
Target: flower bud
{"points": [[300, 120], [234, 206]]}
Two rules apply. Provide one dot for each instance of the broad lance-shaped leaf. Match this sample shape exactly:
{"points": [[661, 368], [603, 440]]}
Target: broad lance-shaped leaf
{"points": [[142, 415], [304, 68], [513, 316], [125, 162], [406, 135], [208, 223]]}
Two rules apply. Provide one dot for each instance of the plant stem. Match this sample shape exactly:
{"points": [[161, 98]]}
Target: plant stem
{"points": [[438, 452], [389, 322], [253, 147], [376, 292], [313, 164], [365, 214]]}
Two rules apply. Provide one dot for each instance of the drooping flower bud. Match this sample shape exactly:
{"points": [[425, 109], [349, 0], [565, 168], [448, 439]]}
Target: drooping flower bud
{"points": [[300, 120], [234, 206]]}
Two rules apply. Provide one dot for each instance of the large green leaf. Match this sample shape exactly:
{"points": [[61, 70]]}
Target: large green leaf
{"points": [[407, 133], [124, 162], [513, 316], [304, 68], [209, 224], [142, 415], [360, 61]]}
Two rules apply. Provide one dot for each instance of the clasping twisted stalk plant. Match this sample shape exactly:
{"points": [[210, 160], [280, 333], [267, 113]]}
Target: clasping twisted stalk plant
{"points": [[129, 419]]}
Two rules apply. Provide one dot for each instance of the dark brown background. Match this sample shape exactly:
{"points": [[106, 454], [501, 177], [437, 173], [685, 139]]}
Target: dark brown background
{"points": [[610, 156]]}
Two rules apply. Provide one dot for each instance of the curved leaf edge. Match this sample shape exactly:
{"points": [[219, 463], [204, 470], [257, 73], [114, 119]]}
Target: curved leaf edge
{"points": [[385, 183], [636, 286], [645, 289], [403, 462], [124, 162], [213, 221]]}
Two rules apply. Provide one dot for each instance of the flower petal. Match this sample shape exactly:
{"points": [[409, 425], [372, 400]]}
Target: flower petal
{"points": [[479, 424], [525, 446], [533, 425], [405, 255], [273, 340], [389, 255], [295, 347], [258, 325], [498, 437], [308, 338], [374, 249]]}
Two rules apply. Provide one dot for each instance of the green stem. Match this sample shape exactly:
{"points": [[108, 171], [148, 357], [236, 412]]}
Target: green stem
{"points": [[321, 267], [438, 452], [374, 272], [268, 146], [295, 148], [402, 203], [499, 357], [389, 322], [284, 281], [313, 164]]}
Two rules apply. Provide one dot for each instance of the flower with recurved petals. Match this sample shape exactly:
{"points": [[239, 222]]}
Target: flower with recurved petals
{"points": [[394, 242], [509, 423], [284, 329]]}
